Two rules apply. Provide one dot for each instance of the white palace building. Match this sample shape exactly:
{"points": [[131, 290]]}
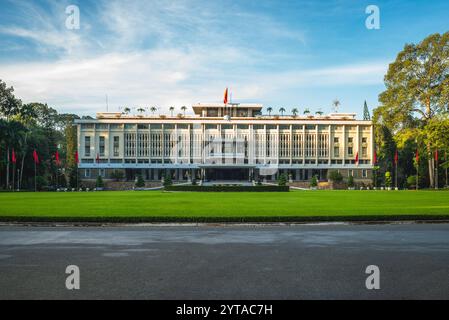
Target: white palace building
{"points": [[225, 142]]}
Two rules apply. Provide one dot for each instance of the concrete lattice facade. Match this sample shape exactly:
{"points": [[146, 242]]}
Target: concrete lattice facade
{"points": [[225, 142]]}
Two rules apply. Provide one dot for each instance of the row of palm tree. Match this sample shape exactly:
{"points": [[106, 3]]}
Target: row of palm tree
{"points": [[295, 111], [153, 109]]}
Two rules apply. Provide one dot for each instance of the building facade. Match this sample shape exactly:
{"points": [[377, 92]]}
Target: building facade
{"points": [[225, 142]]}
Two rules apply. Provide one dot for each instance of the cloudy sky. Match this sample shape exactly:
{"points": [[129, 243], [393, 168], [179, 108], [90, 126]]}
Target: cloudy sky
{"points": [[148, 53]]}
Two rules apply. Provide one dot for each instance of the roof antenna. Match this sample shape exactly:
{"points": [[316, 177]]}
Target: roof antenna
{"points": [[107, 104]]}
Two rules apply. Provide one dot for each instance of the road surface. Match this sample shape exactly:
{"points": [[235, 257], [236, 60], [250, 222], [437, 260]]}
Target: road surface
{"points": [[226, 262]]}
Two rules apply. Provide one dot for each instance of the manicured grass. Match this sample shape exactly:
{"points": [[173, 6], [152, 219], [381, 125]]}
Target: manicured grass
{"points": [[229, 206]]}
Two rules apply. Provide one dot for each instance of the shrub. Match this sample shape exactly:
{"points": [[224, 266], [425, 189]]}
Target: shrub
{"points": [[62, 181], [140, 183], [73, 177], [194, 182], [229, 188], [117, 175], [41, 183], [282, 181], [167, 180], [335, 176], [99, 183], [314, 182], [388, 179], [411, 181], [351, 182]]}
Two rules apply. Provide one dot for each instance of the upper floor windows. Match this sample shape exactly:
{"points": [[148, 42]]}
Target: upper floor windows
{"points": [[101, 145], [87, 146], [116, 147]]}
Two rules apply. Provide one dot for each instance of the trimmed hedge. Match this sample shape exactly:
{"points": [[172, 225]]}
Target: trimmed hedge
{"points": [[228, 188], [206, 219]]}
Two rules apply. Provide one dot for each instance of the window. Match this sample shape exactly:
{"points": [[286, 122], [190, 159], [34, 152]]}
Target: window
{"points": [[364, 173], [212, 112], [364, 147], [336, 151], [336, 140], [101, 173], [87, 146], [87, 173], [350, 173], [364, 151], [350, 146], [101, 145], [102, 126], [116, 146]]}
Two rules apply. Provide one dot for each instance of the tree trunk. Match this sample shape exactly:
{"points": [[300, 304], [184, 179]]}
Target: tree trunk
{"points": [[429, 150], [431, 168], [23, 159]]}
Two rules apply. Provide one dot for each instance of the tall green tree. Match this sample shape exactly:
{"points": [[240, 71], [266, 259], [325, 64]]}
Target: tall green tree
{"points": [[366, 115], [416, 90]]}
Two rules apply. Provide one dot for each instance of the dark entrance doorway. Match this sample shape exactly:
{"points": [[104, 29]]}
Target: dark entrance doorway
{"points": [[236, 174]]}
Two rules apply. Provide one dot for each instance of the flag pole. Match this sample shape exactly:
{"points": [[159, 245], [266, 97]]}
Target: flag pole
{"points": [[436, 169], [35, 186], [13, 175], [396, 176], [445, 160], [77, 177], [417, 170]]}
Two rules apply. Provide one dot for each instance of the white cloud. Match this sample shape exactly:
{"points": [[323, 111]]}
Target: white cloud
{"points": [[164, 78], [162, 53]]}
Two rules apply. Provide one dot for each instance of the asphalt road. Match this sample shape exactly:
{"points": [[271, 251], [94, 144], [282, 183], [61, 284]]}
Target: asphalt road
{"points": [[226, 262]]}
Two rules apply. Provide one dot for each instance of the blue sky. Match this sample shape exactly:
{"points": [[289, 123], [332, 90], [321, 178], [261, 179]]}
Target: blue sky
{"points": [[287, 54]]}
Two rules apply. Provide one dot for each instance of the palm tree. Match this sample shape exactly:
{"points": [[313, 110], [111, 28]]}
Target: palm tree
{"points": [[336, 104], [153, 109], [282, 110], [306, 111], [319, 112], [269, 109], [141, 110], [295, 111], [171, 110], [126, 110], [184, 108]]}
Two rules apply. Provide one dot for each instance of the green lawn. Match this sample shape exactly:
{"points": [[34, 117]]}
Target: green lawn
{"points": [[159, 206]]}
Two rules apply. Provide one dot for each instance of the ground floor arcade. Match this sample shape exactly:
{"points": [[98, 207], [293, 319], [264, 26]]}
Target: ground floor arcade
{"points": [[223, 173]]}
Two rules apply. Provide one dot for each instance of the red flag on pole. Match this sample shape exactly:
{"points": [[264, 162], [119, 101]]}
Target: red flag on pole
{"points": [[35, 157], [57, 158], [396, 157], [225, 100], [77, 160], [375, 157], [436, 155], [417, 156], [13, 157], [357, 158], [98, 158]]}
